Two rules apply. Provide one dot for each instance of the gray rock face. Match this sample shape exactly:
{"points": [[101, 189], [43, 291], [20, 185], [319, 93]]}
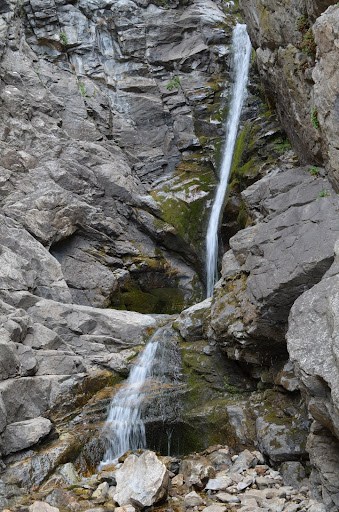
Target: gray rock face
{"points": [[312, 343], [325, 75], [142, 480], [279, 442], [272, 262], [98, 107], [296, 57], [23, 434]]}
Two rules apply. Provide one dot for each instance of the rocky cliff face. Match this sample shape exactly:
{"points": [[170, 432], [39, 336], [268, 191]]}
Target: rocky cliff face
{"points": [[296, 54], [111, 118], [286, 252], [99, 103], [104, 109]]}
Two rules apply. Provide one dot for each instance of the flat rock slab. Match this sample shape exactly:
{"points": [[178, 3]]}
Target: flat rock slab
{"points": [[215, 508], [23, 434], [141, 481], [41, 506]]}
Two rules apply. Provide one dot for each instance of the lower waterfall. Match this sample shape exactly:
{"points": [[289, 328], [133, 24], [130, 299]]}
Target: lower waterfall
{"points": [[241, 48], [154, 377], [124, 426]]}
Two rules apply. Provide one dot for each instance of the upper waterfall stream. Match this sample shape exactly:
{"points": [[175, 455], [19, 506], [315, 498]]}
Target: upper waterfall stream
{"points": [[125, 427], [241, 49]]}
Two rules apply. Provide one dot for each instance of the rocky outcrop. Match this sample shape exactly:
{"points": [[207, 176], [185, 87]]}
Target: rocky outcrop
{"points": [[296, 54], [98, 105], [104, 113], [312, 345], [286, 251]]}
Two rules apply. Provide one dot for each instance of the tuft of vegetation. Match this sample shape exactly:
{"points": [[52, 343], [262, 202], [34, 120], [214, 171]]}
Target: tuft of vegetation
{"points": [[174, 83], [308, 45], [314, 171], [302, 24], [282, 146], [82, 89], [314, 118], [63, 38], [324, 193]]}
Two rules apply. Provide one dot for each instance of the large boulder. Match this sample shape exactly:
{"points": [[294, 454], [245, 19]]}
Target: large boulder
{"points": [[23, 434], [312, 343], [141, 480], [287, 250]]}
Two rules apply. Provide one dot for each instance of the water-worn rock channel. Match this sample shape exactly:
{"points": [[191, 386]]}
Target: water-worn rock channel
{"points": [[112, 121]]}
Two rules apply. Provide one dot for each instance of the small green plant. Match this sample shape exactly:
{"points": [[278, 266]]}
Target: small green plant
{"points": [[282, 145], [174, 83], [324, 193], [313, 170], [308, 45], [20, 10], [63, 38], [82, 89], [302, 24], [314, 118]]}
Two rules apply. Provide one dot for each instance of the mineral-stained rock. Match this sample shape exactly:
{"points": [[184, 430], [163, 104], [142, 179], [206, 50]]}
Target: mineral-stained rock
{"points": [[23, 434], [142, 480]]}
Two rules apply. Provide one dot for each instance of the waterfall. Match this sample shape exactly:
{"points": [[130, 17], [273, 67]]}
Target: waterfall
{"points": [[149, 394], [125, 429], [241, 49]]}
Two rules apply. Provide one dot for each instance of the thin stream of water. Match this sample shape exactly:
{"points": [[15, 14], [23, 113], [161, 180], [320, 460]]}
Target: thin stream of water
{"points": [[125, 430], [241, 49]]}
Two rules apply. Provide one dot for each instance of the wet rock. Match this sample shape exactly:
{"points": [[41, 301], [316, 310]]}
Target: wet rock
{"points": [[151, 475], [69, 473]]}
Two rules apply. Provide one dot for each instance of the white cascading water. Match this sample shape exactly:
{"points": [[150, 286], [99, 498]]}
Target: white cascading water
{"points": [[241, 48], [124, 428]]}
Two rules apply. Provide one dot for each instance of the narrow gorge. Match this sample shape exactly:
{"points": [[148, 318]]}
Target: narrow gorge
{"points": [[112, 152]]}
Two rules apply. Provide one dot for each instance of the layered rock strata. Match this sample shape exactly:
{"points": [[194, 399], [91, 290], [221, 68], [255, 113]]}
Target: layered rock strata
{"points": [[296, 51]]}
